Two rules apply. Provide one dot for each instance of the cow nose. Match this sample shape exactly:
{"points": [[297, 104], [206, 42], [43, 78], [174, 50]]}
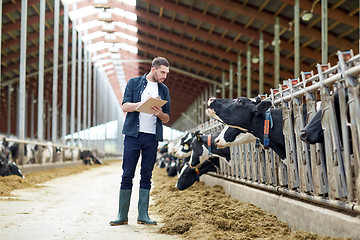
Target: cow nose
{"points": [[303, 135], [210, 100]]}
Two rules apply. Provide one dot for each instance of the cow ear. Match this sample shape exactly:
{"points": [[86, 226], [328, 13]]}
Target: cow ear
{"points": [[262, 106], [198, 134], [257, 100]]}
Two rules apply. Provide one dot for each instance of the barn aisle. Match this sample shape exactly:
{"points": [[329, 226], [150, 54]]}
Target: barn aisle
{"points": [[74, 207]]}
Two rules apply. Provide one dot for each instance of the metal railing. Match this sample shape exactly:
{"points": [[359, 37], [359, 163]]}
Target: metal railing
{"points": [[327, 174]]}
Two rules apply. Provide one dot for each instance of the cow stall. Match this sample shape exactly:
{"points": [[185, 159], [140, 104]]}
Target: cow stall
{"points": [[325, 173]]}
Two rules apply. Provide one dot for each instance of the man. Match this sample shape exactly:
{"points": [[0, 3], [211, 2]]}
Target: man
{"points": [[142, 133]]}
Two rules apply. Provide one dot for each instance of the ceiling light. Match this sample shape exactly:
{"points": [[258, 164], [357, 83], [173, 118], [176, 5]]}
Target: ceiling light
{"points": [[307, 16], [255, 60], [273, 42]]}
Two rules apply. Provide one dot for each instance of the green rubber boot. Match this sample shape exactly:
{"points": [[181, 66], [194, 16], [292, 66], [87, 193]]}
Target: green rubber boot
{"points": [[124, 204], [143, 205]]}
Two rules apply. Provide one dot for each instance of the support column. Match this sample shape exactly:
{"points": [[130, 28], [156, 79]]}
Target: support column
{"points": [[239, 76], [40, 118], [324, 31], [22, 79], [248, 72], [65, 74], [277, 53], [54, 118], [84, 104], [261, 64], [95, 95], [10, 90], [0, 45], [89, 97], [297, 39], [231, 81], [79, 83], [32, 115], [223, 85], [73, 79]]}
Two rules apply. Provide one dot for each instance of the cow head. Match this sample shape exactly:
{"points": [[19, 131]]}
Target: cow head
{"points": [[230, 137], [185, 149], [189, 175], [187, 178], [313, 133], [200, 152], [236, 112]]}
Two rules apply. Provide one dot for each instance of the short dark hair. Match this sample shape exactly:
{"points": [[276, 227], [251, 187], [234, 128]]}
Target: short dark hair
{"points": [[158, 61]]}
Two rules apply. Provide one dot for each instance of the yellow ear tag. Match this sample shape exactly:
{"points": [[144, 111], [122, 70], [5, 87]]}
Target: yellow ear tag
{"points": [[186, 147]]}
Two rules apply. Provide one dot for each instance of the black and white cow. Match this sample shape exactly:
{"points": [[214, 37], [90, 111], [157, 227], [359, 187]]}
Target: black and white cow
{"points": [[8, 168], [184, 150], [203, 147], [204, 158], [89, 158], [313, 132], [230, 137], [189, 174], [249, 115]]}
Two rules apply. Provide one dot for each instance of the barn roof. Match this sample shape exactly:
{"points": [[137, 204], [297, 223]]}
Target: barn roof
{"points": [[200, 38]]}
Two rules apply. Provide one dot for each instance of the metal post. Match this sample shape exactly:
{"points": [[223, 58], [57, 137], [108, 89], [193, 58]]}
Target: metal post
{"points": [[223, 85], [40, 118], [10, 89], [84, 104], [324, 32], [231, 81], [79, 83], [297, 39], [22, 79], [32, 112], [277, 53], [55, 71], [89, 97], [248, 72], [95, 95], [0, 45], [73, 79], [261, 64], [206, 97], [239, 76], [65, 74], [48, 120]]}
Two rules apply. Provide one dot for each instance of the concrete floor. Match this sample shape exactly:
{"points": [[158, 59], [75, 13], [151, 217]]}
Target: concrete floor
{"points": [[79, 206]]}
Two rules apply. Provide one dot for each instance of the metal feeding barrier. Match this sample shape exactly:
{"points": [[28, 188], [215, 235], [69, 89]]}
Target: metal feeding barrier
{"points": [[328, 173]]}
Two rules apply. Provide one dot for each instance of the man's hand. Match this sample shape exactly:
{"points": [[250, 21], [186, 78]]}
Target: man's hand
{"points": [[160, 114], [156, 110]]}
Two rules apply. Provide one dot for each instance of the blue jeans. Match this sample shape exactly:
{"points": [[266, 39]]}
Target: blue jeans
{"points": [[146, 145]]}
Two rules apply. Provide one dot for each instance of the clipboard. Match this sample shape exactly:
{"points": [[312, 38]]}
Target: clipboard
{"points": [[145, 107]]}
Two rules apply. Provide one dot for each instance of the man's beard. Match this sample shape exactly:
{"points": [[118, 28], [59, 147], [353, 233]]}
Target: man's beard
{"points": [[156, 78]]}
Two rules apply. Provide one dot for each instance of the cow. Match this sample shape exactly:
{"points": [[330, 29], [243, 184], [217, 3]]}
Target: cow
{"points": [[313, 132], [8, 168], [203, 147], [249, 115], [12, 152], [204, 158], [230, 137], [184, 149], [88, 158], [46, 153], [189, 174]]}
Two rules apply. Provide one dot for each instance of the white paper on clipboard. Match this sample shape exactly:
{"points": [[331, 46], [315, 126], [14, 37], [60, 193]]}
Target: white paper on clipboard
{"points": [[145, 107]]}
